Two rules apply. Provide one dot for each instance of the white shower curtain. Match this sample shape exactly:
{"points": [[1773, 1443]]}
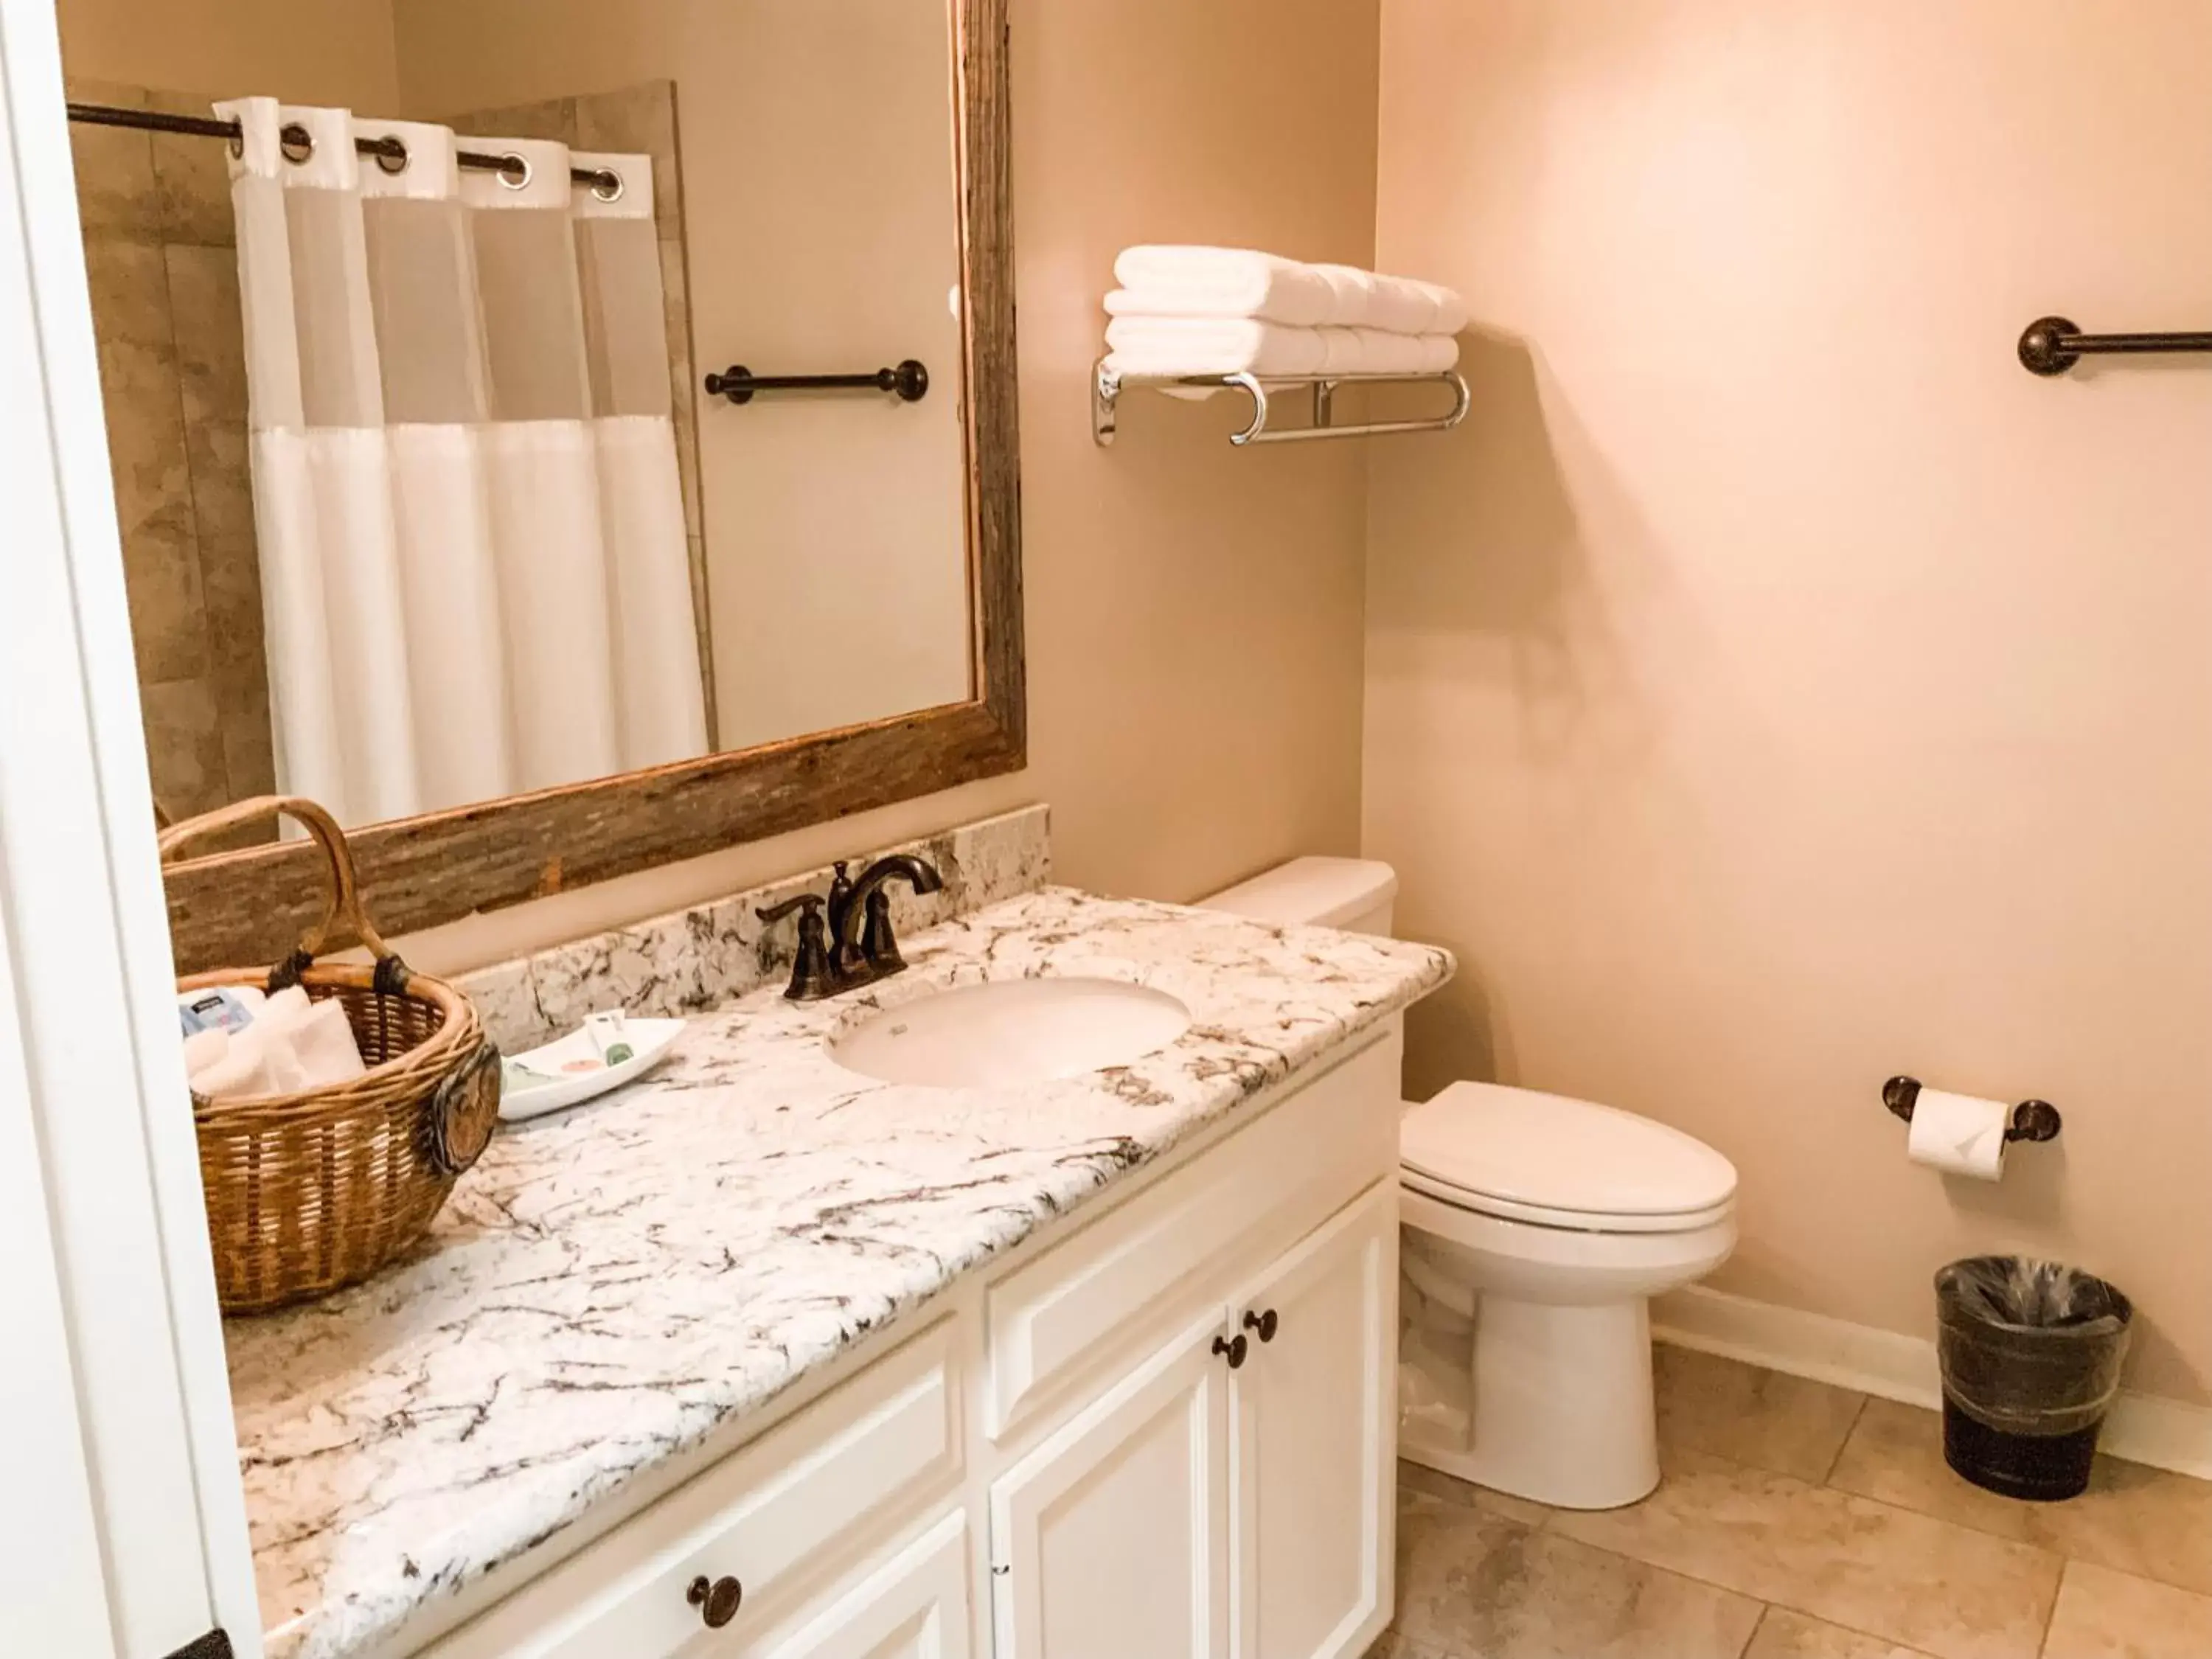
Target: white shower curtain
{"points": [[474, 572]]}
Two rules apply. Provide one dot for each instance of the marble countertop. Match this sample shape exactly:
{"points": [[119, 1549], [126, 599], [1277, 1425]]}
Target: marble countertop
{"points": [[611, 1285]]}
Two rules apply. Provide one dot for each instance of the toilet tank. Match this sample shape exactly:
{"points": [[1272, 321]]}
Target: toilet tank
{"points": [[1354, 894]]}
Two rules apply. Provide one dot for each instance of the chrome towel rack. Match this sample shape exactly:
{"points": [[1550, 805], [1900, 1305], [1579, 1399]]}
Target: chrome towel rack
{"points": [[1107, 385], [2051, 345]]}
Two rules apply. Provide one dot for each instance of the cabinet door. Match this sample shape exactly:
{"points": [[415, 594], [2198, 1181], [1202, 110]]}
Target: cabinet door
{"points": [[1314, 1424], [1109, 1541], [915, 1608]]}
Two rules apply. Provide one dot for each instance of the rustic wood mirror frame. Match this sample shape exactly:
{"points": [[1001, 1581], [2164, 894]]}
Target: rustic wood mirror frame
{"points": [[252, 906]]}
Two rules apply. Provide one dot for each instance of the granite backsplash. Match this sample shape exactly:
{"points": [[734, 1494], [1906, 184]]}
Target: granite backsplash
{"points": [[689, 961]]}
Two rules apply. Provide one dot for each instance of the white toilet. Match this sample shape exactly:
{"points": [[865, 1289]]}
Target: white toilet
{"points": [[1537, 1228]]}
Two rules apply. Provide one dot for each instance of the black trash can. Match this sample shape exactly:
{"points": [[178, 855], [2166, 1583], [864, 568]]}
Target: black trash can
{"points": [[2031, 1353]]}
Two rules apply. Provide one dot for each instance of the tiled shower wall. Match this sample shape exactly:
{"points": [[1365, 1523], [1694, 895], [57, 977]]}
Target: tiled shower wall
{"points": [[161, 261]]}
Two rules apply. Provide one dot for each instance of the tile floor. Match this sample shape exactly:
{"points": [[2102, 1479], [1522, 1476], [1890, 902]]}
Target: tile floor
{"points": [[1797, 1520]]}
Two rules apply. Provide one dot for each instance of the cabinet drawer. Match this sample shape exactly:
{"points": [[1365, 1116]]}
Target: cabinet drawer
{"points": [[786, 1516], [1139, 1269], [913, 1608]]}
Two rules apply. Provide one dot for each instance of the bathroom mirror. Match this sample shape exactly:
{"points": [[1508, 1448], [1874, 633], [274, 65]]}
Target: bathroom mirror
{"points": [[559, 438]]}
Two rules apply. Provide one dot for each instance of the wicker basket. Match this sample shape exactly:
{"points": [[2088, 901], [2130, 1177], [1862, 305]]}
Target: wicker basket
{"points": [[312, 1191]]}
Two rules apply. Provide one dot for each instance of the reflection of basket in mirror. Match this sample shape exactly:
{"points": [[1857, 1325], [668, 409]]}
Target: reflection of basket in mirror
{"points": [[312, 1191]]}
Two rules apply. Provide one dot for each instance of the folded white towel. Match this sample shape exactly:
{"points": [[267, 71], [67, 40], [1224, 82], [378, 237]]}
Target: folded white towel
{"points": [[1377, 351], [1397, 305], [1450, 316], [1229, 345], [1212, 346], [323, 1043], [1166, 280], [1359, 297], [283, 1007], [315, 1037], [1169, 280]]}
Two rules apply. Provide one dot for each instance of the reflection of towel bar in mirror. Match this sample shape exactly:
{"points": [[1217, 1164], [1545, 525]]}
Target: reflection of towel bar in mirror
{"points": [[909, 379], [1107, 385]]}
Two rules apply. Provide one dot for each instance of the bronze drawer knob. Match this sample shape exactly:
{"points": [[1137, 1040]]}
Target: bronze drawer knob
{"points": [[718, 1602]]}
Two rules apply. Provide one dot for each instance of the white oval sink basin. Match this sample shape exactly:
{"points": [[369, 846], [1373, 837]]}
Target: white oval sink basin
{"points": [[1011, 1031]]}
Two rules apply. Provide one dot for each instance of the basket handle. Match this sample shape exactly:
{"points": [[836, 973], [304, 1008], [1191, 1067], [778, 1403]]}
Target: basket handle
{"points": [[346, 888]]}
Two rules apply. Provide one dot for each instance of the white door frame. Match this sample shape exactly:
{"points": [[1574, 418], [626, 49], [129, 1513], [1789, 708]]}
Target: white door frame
{"points": [[123, 1442]]}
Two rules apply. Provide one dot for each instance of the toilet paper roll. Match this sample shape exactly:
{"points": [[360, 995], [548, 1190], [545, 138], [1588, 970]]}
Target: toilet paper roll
{"points": [[1958, 1134]]}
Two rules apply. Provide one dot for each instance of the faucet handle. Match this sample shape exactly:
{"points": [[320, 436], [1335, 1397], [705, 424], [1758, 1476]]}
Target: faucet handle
{"points": [[878, 945], [790, 906], [811, 978], [844, 956]]}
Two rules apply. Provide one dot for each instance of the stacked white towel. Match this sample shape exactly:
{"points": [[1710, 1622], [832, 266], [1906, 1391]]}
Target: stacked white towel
{"points": [[1190, 310]]}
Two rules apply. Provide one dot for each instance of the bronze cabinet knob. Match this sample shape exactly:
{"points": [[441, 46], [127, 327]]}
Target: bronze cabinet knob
{"points": [[1264, 1324], [1234, 1349], [718, 1600]]}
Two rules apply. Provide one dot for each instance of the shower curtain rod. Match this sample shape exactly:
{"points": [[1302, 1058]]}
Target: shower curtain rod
{"points": [[604, 182]]}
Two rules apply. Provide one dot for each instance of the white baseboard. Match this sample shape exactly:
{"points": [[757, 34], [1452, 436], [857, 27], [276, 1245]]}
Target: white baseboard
{"points": [[2167, 1434]]}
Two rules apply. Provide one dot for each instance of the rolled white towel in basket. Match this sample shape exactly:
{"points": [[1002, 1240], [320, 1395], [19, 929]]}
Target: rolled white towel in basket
{"points": [[247, 1063]]}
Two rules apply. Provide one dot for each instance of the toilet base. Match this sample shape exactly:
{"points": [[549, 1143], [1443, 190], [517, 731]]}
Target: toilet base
{"points": [[1562, 1408]]}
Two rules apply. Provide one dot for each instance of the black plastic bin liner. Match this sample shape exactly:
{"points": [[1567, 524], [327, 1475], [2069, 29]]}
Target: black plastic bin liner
{"points": [[2031, 1353]]}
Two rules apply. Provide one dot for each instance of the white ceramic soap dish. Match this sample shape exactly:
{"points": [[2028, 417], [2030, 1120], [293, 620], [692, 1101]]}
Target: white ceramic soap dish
{"points": [[574, 1071]]}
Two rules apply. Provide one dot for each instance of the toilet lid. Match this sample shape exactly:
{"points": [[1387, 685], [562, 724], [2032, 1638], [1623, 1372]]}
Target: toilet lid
{"points": [[1550, 1152]]}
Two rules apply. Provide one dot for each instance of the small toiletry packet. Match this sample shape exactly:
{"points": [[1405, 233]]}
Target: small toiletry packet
{"points": [[219, 1008]]}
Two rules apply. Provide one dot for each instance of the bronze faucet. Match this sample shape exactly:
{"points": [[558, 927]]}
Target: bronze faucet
{"points": [[854, 945]]}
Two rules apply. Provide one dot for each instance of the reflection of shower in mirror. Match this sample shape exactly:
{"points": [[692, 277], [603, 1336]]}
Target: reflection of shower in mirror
{"points": [[443, 520]]}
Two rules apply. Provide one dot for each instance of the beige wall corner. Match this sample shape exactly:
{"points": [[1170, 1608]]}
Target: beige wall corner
{"points": [[304, 52], [1773, 687]]}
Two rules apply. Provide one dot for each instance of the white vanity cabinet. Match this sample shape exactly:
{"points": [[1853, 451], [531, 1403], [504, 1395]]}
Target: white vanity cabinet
{"points": [[1112, 1537], [1313, 1416], [1166, 1431], [1231, 1495]]}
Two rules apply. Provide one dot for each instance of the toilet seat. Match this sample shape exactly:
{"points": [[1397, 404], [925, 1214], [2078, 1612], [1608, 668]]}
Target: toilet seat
{"points": [[1553, 1161], [1578, 1221]]}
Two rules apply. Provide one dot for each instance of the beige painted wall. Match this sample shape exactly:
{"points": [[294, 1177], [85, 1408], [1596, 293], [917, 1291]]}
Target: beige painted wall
{"points": [[1193, 631], [308, 51], [816, 144], [1773, 687]]}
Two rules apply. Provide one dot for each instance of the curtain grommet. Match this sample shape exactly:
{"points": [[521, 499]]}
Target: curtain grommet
{"points": [[391, 153], [514, 171], [607, 187], [297, 145]]}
